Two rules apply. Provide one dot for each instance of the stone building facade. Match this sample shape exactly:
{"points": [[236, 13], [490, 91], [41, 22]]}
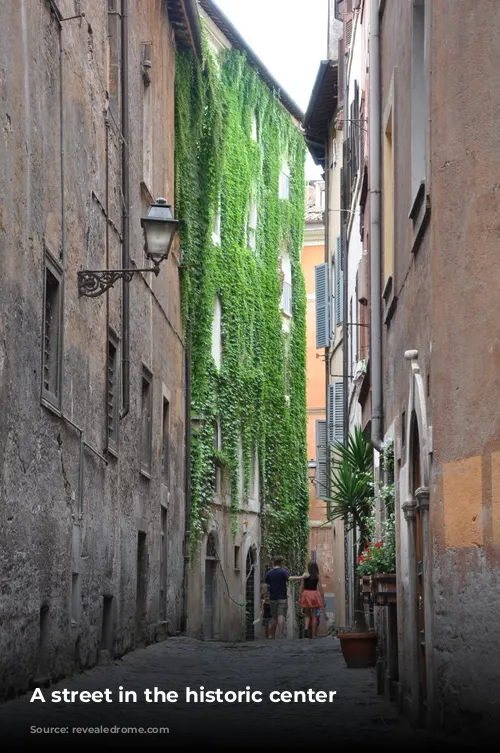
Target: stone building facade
{"points": [[92, 417], [440, 350], [313, 253]]}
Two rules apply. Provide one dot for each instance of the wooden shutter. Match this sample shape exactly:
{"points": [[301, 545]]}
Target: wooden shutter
{"points": [[321, 487], [332, 304], [338, 412], [339, 307], [322, 324], [330, 413]]}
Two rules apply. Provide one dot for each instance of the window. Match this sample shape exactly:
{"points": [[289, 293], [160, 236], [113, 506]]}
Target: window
{"points": [[418, 98], [252, 222], [165, 467], [339, 10], [321, 478], [254, 476], [286, 283], [403, 429], [321, 302], [113, 56], [254, 132], [216, 227], [146, 420], [147, 135], [163, 566], [217, 468], [313, 556], [388, 201], [284, 188], [52, 332], [216, 333], [112, 391], [236, 558], [335, 412], [339, 279]]}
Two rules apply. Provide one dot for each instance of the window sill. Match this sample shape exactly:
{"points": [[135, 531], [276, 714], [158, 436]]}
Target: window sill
{"points": [[145, 473], [420, 221], [390, 300], [148, 196], [51, 403], [112, 451]]}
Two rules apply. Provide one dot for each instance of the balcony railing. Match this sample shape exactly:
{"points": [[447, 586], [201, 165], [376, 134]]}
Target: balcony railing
{"points": [[286, 299]]}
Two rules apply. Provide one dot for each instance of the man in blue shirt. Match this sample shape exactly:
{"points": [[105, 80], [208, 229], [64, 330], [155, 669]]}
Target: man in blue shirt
{"points": [[276, 579]]}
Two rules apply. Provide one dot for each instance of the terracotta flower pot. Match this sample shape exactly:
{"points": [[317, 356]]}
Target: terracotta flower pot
{"points": [[384, 587], [358, 649]]}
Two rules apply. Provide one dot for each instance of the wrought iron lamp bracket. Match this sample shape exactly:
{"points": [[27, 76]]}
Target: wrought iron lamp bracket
{"points": [[92, 283]]}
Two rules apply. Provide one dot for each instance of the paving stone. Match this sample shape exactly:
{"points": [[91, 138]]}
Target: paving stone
{"points": [[356, 715]]}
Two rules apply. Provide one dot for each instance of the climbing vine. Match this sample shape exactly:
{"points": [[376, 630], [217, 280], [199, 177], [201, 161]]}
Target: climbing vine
{"points": [[258, 394]]}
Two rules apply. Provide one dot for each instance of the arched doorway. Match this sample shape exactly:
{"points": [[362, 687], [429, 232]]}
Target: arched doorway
{"points": [[250, 593], [416, 483], [211, 562]]}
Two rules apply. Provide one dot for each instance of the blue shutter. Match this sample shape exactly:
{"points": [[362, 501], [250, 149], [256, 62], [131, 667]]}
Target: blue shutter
{"points": [[321, 284], [339, 275], [330, 413], [321, 445], [338, 412]]}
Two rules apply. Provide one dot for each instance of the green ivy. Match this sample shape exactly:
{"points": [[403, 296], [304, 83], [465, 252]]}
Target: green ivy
{"points": [[217, 160]]}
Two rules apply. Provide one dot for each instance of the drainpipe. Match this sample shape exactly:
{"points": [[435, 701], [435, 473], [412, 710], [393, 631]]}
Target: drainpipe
{"points": [[345, 277], [125, 215], [375, 234]]}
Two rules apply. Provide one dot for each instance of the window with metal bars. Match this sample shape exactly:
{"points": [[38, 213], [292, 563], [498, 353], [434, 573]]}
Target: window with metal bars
{"points": [[146, 420], [51, 355], [165, 464], [163, 566], [112, 392]]}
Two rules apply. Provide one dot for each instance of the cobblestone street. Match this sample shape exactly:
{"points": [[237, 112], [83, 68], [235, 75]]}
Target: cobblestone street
{"points": [[356, 713]]}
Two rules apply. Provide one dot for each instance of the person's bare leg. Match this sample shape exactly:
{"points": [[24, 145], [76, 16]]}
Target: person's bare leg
{"points": [[314, 623], [274, 624], [281, 625], [266, 631]]}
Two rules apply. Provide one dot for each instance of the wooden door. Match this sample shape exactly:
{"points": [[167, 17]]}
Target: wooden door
{"points": [[416, 483], [208, 627]]}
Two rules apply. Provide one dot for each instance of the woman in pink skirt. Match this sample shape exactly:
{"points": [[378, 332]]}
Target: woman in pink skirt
{"points": [[312, 597]]}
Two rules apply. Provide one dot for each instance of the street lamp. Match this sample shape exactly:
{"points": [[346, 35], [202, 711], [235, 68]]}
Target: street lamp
{"points": [[159, 228], [312, 471]]}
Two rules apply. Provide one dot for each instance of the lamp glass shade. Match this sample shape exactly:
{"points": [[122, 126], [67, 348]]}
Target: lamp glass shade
{"points": [[159, 230]]}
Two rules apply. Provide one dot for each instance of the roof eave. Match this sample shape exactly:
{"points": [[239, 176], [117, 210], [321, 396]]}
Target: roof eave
{"points": [[185, 22], [237, 41]]}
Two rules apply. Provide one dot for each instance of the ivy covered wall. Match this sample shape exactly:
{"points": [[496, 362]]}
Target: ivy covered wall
{"points": [[219, 167]]}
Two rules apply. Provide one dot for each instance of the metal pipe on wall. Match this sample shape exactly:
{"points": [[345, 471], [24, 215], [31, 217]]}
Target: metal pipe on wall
{"points": [[106, 339], [125, 211], [375, 233]]}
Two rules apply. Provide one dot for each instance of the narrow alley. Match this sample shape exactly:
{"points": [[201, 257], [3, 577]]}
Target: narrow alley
{"points": [[355, 715]]}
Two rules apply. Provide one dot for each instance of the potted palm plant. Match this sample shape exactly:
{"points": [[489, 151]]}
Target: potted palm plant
{"points": [[351, 499]]}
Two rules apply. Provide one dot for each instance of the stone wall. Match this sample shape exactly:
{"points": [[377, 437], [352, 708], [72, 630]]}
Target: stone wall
{"points": [[70, 513]]}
